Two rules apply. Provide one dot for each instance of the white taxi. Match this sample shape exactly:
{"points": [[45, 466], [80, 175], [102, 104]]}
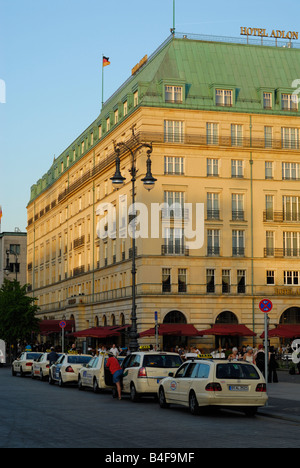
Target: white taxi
{"points": [[40, 367], [23, 364], [66, 369], [143, 372], [96, 375], [200, 383]]}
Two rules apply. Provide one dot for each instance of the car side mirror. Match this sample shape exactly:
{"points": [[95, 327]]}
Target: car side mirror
{"points": [[171, 374]]}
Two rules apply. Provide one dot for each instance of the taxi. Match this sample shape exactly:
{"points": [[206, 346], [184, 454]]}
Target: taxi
{"points": [[40, 367], [205, 382], [144, 370], [66, 369], [23, 364], [96, 375]]}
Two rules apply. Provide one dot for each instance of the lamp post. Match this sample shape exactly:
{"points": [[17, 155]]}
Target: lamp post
{"points": [[118, 182]]}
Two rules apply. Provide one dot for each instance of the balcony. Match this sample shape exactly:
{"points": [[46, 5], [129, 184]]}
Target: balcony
{"points": [[175, 250], [79, 242], [281, 253]]}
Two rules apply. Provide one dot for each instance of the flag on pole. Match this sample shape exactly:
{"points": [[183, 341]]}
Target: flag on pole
{"points": [[0, 213], [106, 61]]}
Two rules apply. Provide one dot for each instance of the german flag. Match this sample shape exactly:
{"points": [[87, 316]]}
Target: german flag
{"points": [[106, 61]]}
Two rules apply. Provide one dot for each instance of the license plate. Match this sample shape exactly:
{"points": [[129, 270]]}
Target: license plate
{"points": [[239, 388]]}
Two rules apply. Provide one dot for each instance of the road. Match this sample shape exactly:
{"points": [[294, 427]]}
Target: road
{"points": [[34, 414]]}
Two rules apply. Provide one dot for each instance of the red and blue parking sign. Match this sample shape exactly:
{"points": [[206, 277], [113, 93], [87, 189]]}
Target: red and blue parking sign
{"points": [[266, 306]]}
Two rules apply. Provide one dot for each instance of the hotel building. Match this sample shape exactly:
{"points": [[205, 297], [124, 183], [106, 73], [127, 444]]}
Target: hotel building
{"points": [[223, 119]]}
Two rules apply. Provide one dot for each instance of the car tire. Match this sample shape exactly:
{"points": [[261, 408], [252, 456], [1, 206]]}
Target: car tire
{"points": [[41, 376], [60, 381], [80, 386], [162, 399], [193, 404], [95, 386], [50, 381], [134, 397]]}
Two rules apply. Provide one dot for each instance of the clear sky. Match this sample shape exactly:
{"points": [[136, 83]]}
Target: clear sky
{"points": [[51, 59]]}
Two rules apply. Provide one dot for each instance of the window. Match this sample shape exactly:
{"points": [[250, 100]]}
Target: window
{"points": [[225, 281], [223, 97], [213, 167], [291, 208], [268, 170], [108, 124], [290, 171], [236, 135], [236, 371], [267, 100], [212, 133], [99, 131], [173, 131], [15, 249], [175, 202], [237, 203], [269, 207], [210, 281], [291, 244], [182, 280], [238, 243], [270, 243], [270, 277], [268, 137], [116, 116], [166, 280], [174, 165], [174, 241], [290, 138], [289, 102], [125, 108], [241, 281], [213, 208], [237, 169], [291, 278], [213, 242], [135, 98], [173, 94]]}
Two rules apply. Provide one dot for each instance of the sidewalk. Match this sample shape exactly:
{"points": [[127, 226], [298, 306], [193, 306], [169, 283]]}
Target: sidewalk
{"points": [[284, 398]]}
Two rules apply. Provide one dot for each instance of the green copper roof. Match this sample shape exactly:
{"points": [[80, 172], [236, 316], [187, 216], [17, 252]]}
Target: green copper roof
{"points": [[200, 67]]}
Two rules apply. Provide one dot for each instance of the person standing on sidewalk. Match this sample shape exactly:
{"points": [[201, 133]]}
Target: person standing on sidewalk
{"points": [[272, 377]]}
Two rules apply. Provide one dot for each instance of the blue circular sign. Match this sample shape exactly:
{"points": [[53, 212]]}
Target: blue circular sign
{"points": [[62, 324], [266, 305]]}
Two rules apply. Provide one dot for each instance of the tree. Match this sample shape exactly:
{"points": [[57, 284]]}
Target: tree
{"points": [[17, 313]]}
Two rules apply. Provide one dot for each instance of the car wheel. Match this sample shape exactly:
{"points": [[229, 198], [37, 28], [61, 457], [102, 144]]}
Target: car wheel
{"points": [[95, 386], [162, 399], [80, 386], [134, 397], [41, 376], [50, 381], [193, 404], [60, 381]]}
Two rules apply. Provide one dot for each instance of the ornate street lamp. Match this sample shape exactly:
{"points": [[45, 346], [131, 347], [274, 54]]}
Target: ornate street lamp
{"points": [[118, 182]]}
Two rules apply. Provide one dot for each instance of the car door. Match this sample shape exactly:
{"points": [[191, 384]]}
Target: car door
{"points": [[130, 367], [57, 367], [173, 385], [86, 374], [186, 382]]}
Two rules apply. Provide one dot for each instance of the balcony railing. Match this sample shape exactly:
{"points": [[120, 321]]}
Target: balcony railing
{"points": [[281, 253], [175, 250]]}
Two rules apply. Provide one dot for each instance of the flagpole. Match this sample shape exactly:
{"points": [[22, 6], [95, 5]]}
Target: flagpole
{"points": [[174, 20], [102, 83]]}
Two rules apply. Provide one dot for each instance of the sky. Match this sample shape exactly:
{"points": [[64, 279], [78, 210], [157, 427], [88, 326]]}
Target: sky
{"points": [[51, 69]]}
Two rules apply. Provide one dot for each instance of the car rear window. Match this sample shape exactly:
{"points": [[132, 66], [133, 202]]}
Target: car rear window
{"points": [[162, 361], [79, 359], [237, 371], [33, 356]]}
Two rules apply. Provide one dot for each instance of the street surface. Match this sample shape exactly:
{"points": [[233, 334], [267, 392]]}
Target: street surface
{"points": [[36, 415]]}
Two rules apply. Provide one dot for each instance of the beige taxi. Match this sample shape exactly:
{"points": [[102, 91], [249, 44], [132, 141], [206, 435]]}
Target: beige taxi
{"points": [[143, 372], [199, 383], [96, 375], [40, 367], [23, 364], [66, 369]]}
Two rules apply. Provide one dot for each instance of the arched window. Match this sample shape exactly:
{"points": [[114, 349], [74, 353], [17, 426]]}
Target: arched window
{"points": [[291, 315], [175, 317], [227, 317]]}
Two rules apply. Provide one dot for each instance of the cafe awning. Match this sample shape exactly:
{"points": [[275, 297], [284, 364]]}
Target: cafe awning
{"points": [[52, 326], [224, 329], [284, 331], [100, 332], [172, 329]]}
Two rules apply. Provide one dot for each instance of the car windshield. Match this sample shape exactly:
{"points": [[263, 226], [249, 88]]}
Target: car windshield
{"points": [[162, 361], [33, 356], [79, 359], [237, 371]]}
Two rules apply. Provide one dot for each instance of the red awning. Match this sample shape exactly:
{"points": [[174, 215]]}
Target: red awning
{"points": [[284, 331], [100, 332], [52, 326], [221, 329], [172, 329]]}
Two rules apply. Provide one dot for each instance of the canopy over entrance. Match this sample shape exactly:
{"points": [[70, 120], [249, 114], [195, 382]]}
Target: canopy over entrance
{"points": [[52, 326], [172, 329], [224, 329], [100, 332], [284, 331]]}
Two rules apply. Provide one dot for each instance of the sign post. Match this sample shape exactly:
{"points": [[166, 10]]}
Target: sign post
{"points": [[62, 325], [156, 330], [266, 306]]}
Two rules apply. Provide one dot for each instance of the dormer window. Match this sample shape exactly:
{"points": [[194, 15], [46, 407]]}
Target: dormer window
{"points": [[173, 94], [224, 97], [267, 100], [289, 102]]}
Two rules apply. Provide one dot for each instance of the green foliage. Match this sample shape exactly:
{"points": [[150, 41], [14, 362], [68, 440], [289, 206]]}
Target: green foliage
{"points": [[17, 312]]}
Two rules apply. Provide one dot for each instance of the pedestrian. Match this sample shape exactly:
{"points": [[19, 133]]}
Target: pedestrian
{"points": [[249, 356], [234, 356], [114, 350], [117, 372], [273, 366], [52, 357], [260, 359]]}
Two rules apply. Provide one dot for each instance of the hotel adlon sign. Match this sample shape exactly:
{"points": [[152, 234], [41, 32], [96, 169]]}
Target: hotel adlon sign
{"points": [[276, 34]]}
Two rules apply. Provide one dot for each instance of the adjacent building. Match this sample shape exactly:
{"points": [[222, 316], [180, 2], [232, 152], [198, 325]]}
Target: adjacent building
{"points": [[13, 256], [223, 119]]}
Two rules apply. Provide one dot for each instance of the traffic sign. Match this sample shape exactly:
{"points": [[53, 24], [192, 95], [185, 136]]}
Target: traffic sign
{"points": [[266, 306], [62, 324]]}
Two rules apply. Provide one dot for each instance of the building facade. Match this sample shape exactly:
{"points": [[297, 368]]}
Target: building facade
{"points": [[223, 120], [13, 256]]}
